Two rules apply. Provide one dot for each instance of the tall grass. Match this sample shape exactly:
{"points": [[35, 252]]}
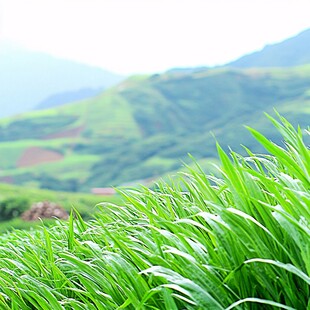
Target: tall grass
{"points": [[240, 241]]}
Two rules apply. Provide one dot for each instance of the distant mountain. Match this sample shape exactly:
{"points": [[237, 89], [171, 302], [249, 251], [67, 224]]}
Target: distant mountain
{"points": [[145, 126], [186, 70], [27, 78], [294, 51], [67, 97]]}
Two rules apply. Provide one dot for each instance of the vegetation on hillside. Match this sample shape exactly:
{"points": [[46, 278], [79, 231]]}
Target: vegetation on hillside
{"points": [[14, 200], [145, 126], [239, 241]]}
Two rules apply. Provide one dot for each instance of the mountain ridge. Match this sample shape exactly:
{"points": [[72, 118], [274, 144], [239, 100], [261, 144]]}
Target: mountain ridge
{"points": [[67, 97], [37, 76], [293, 51]]}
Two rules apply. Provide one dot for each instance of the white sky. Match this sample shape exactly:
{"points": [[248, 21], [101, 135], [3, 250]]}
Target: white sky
{"points": [[137, 36]]}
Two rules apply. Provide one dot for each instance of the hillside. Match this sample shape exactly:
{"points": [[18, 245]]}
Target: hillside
{"points": [[67, 97], [145, 126], [294, 51], [27, 78]]}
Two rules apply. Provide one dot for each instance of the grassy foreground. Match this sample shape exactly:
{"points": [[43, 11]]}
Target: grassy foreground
{"points": [[241, 241]]}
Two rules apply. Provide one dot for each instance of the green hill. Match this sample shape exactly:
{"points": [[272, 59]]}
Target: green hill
{"points": [[145, 126]]}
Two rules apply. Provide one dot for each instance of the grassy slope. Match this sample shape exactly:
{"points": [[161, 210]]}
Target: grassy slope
{"points": [[240, 241], [145, 126]]}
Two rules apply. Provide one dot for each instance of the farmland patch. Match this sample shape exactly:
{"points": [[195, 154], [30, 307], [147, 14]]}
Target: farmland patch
{"points": [[36, 155]]}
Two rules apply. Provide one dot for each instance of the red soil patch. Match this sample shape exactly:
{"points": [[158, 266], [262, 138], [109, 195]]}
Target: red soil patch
{"points": [[70, 133], [36, 155], [7, 179]]}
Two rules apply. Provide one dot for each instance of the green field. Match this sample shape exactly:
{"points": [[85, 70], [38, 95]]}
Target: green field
{"points": [[237, 241]]}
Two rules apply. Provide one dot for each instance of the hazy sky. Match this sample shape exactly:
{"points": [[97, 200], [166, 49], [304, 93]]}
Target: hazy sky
{"points": [[136, 36]]}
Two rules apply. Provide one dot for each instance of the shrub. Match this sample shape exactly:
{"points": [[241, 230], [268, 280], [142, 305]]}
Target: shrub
{"points": [[13, 207]]}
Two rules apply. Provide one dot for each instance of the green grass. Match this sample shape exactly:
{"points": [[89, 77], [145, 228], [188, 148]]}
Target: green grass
{"points": [[239, 241], [9, 154]]}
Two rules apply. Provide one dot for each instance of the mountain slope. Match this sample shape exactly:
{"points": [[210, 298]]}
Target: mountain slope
{"points": [[145, 126], [67, 97], [27, 78], [291, 52]]}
